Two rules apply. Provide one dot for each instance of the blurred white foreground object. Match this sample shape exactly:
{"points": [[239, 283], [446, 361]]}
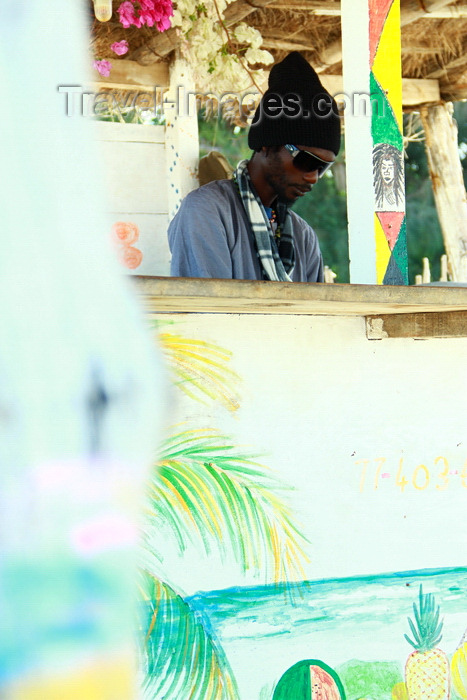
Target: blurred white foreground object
{"points": [[81, 387]]}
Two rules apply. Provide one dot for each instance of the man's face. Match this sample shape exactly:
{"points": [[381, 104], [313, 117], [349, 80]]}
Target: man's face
{"points": [[387, 170], [288, 182]]}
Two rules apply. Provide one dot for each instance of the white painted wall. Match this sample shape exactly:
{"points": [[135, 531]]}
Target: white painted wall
{"points": [[148, 171], [339, 420], [316, 397], [134, 157]]}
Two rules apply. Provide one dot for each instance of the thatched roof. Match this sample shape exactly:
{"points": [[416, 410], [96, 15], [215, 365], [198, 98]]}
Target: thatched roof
{"points": [[434, 37]]}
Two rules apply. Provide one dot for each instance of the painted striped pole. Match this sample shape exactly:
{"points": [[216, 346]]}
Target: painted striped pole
{"points": [[374, 141]]}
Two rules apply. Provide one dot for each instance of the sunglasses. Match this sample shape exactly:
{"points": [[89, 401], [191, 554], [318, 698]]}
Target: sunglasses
{"points": [[307, 162]]}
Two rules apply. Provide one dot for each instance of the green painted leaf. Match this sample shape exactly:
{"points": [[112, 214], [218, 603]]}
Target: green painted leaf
{"points": [[209, 493], [179, 658]]}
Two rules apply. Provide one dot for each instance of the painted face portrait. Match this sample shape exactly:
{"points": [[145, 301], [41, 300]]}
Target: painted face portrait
{"points": [[387, 170], [388, 178]]}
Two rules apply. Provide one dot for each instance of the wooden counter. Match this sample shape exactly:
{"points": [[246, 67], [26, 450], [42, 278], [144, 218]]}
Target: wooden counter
{"points": [[390, 311]]}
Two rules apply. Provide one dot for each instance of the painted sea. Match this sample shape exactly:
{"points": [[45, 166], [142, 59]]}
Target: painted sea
{"points": [[355, 625]]}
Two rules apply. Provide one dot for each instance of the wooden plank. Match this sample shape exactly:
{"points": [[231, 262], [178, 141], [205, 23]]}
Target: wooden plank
{"points": [[327, 9], [410, 11], [125, 73], [285, 44], [189, 295], [419, 91], [414, 91], [446, 324]]}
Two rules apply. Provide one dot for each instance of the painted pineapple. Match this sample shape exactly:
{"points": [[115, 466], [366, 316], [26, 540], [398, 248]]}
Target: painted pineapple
{"points": [[427, 668], [459, 668]]}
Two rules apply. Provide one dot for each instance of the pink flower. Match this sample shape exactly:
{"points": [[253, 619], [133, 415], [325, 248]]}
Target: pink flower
{"points": [[119, 47], [103, 67], [151, 12], [164, 24], [126, 13]]}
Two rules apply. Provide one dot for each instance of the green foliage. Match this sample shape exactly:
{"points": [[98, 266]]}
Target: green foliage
{"points": [[217, 134], [373, 680], [325, 210]]}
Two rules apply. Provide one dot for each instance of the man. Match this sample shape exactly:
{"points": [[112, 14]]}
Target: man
{"points": [[243, 228]]}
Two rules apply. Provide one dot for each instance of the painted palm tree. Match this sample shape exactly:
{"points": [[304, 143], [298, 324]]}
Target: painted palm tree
{"points": [[180, 659], [199, 368], [208, 494]]}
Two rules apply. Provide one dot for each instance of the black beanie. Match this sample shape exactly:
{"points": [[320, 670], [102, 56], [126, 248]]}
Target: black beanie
{"points": [[296, 108]]}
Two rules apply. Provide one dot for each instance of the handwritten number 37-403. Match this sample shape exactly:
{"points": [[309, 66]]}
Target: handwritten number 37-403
{"points": [[377, 473]]}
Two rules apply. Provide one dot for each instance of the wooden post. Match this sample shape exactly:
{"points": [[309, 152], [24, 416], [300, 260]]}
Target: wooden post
{"points": [[426, 272], [448, 184], [375, 192], [444, 268], [181, 140]]}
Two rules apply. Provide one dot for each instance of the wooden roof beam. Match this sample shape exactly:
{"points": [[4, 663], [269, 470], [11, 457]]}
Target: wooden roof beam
{"points": [[410, 10], [131, 76], [415, 91], [285, 45], [328, 9]]}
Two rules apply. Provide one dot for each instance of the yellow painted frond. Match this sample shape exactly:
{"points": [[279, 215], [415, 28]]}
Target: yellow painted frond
{"points": [[201, 369]]}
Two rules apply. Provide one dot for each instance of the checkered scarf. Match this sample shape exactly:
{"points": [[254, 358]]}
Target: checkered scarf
{"points": [[277, 260]]}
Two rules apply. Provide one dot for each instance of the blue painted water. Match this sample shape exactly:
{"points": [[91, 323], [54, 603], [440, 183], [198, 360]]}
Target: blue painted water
{"points": [[329, 605]]}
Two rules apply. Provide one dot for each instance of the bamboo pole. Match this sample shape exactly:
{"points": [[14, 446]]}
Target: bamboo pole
{"points": [[426, 272], [448, 185], [444, 269]]}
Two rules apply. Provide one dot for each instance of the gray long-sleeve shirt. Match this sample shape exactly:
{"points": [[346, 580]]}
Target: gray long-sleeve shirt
{"points": [[210, 236]]}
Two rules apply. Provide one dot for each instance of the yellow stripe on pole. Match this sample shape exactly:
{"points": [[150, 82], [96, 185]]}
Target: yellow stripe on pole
{"points": [[382, 252], [387, 63]]}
